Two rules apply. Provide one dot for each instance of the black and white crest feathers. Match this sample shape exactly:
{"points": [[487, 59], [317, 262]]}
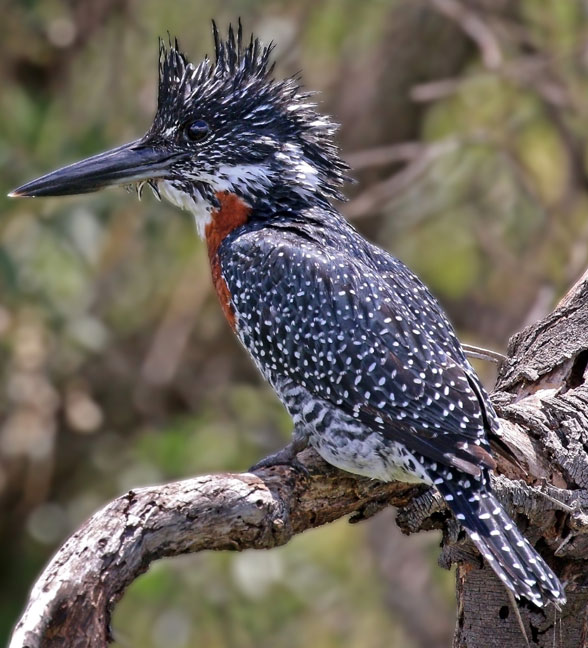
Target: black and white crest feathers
{"points": [[255, 120], [179, 79]]}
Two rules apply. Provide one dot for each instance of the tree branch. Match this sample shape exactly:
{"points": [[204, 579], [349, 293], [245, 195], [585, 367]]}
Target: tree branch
{"points": [[70, 604], [542, 398]]}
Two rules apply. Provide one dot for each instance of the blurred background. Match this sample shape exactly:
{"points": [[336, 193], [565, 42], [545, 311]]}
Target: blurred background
{"points": [[465, 122]]}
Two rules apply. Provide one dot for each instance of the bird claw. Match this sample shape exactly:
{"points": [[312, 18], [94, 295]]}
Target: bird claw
{"points": [[287, 456]]}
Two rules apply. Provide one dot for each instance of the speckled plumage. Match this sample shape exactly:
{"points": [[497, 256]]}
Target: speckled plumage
{"points": [[355, 346], [368, 366]]}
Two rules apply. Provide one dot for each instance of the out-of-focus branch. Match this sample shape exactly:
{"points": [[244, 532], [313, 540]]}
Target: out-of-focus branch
{"points": [[384, 155], [475, 27], [418, 163]]}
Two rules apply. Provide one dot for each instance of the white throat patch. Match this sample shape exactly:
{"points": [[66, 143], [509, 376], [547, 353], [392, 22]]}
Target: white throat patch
{"points": [[241, 178], [201, 209]]}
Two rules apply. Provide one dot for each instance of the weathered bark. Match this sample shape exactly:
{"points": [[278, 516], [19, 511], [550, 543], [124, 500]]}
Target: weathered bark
{"points": [[70, 604], [542, 398]]}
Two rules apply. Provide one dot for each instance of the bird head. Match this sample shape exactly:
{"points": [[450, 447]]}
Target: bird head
{"points": [[222, 126]]}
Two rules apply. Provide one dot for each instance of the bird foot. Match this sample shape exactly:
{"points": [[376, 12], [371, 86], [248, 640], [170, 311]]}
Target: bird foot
{"points": [[287, 456]]}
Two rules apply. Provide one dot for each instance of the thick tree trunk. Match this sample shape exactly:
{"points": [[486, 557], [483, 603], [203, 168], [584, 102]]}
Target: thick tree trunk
{"points": [[542, 398]]}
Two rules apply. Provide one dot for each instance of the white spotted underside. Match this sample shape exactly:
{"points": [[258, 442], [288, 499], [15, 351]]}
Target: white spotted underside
{"points": [[345, 443]]}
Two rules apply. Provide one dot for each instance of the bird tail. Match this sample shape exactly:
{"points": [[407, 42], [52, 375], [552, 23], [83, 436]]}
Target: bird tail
{"points": [[496, 536]]}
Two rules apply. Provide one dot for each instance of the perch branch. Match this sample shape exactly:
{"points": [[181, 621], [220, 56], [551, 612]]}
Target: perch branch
{"points": [[71, 603]]}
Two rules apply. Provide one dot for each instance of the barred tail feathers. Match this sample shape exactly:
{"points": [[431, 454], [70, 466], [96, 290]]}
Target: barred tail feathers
{"points": [[503, 546]]}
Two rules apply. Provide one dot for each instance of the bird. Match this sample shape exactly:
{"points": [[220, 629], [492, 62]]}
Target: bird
{"points": [[355, 346]]}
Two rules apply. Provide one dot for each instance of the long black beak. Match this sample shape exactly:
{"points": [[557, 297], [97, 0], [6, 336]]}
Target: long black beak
{"points": [[134, 162]]}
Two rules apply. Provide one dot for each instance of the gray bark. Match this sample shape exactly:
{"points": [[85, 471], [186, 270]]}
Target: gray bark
{"points": [[542, 398]]}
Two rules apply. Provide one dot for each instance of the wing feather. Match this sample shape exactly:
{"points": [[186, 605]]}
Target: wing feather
{"points": [[348, 332]]}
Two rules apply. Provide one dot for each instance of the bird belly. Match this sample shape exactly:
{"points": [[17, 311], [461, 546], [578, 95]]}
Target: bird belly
{"points": [[365, 456], [347, 444]]}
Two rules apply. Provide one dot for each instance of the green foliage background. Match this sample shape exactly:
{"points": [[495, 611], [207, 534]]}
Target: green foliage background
{"points": [[116, 368]]}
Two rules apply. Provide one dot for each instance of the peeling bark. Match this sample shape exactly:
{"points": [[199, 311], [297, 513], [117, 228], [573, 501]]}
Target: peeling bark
{"points": [[542, 399]]}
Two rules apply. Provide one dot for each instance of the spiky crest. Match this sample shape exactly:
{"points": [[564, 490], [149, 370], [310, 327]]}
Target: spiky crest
{"points": [[256, 122], [232, 62]]}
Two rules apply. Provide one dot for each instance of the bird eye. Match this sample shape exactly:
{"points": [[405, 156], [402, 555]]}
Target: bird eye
{"points": [[197, 130]]}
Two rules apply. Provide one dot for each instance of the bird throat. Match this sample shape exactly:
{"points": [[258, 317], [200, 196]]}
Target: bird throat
{"points": [[232, 213]]}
